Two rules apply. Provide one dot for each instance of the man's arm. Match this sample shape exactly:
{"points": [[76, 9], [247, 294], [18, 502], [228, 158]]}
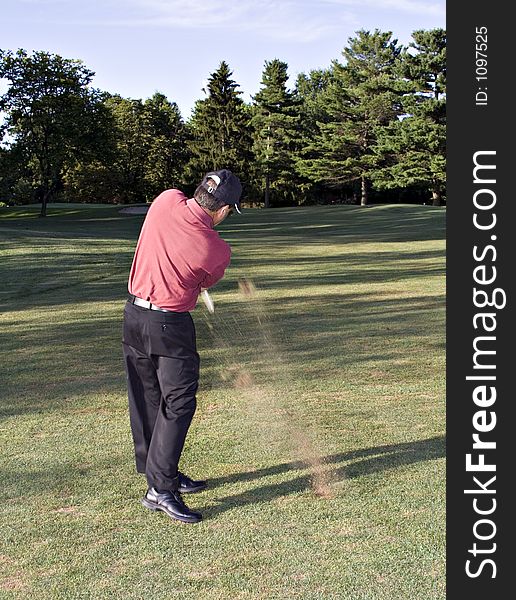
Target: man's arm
{"points": [[212, 278], [220, 257]]}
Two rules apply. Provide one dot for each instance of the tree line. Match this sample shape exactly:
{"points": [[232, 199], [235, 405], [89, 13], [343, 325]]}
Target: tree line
{"points": [[370, 125]]}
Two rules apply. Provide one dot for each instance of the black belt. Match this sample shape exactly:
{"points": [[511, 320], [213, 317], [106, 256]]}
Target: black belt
{"points": [[146, 304]]}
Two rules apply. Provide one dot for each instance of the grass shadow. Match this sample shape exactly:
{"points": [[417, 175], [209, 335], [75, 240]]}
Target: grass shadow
{"points": [[359, 463], [363, 462]]}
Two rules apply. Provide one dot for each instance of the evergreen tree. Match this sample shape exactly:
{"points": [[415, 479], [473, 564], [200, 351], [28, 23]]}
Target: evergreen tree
{"points": [[276, 123], [362, 95], [219, 130], [311, 91], [415, 147]]}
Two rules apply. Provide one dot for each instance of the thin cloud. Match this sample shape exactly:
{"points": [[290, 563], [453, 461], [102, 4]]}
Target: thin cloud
{"points": [[277, 19], [301, 21], [45, 2], [186, 13], [435, 9]]}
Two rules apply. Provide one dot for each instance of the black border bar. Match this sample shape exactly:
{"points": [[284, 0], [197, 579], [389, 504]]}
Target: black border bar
{"points": [[481, 256]]}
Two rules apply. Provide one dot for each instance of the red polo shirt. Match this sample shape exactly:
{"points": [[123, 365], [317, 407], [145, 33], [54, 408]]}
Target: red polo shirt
{"points": [[178, 252]]}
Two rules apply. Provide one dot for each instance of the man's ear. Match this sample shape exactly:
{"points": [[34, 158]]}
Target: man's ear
{"points": [[220, 214]]}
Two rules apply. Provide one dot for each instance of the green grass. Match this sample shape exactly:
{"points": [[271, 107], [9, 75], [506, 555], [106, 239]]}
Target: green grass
{"points": [[344, 343]]}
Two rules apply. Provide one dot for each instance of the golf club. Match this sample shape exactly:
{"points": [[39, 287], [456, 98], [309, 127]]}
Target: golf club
{"points": [[208, 301]]}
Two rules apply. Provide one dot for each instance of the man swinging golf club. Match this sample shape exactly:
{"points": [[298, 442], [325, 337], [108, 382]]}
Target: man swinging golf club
{"points": [[178, 255]]}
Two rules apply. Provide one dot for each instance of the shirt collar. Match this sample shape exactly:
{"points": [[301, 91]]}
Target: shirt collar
{"points": [[199, 212]]}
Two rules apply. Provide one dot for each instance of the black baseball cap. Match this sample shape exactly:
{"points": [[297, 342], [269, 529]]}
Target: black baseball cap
{"points": [[227, 188]]}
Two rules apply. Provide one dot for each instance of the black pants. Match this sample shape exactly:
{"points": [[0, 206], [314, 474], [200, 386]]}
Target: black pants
{"points": [[162, 367]]}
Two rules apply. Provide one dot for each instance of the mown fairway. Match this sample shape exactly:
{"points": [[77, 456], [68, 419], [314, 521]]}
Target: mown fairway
{"points": [[340, 354]]}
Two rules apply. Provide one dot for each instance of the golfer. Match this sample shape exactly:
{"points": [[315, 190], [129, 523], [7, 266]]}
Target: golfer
{"points": [[178, 255]]}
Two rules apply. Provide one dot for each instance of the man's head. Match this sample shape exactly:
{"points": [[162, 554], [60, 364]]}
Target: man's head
{"points": [[219, 193]]}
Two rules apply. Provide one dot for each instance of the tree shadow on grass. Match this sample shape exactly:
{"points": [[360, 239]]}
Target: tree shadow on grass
{"points": [[363, 462], [358, 463], [48, 363], [296, 335], [310, 225], [66, 478]]}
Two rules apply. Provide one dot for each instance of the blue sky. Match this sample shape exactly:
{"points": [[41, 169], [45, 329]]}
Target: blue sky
{"points": [[137, 47]]}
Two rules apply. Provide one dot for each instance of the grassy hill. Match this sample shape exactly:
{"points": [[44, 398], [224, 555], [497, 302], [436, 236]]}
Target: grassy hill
{"points": [[320, 420]]}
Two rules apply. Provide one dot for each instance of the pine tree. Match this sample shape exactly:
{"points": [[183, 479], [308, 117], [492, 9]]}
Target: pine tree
{"points": [[414, 148], [311, 90], [276, 123], [220, 135], [362, 95]]}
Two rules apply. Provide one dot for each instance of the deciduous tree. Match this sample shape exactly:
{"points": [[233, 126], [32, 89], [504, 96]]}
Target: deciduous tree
{"points": [[51, 111]]}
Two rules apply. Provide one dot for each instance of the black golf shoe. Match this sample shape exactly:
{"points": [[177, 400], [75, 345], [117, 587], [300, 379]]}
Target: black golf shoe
{"points": [[171, 504], [189, 486]]}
